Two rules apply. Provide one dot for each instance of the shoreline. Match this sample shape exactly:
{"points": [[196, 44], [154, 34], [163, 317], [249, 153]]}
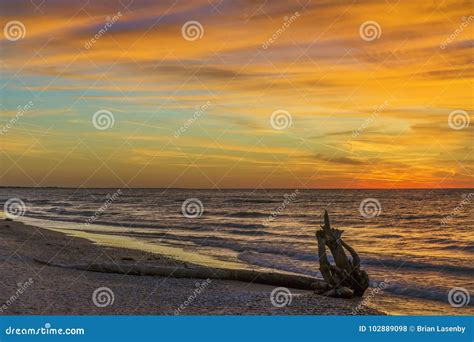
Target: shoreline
{"points": [[56, 290]]}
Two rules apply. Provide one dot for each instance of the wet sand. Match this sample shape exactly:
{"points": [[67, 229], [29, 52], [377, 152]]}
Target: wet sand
{"points": [[29, 286]]}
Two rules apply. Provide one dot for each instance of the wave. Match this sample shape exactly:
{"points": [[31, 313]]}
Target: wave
{"points": [[459, 248], [421, 216], [152, 224], [403, 264], [414, 291], [388, 236], [32, 201], [62, 211], [235, 225], [434, 240], [262, 201], [263, 260], [248, 232], [251, 214]]}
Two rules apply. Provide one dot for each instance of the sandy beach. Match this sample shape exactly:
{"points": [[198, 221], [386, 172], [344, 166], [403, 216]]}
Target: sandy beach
{"points": [[31, 286]]}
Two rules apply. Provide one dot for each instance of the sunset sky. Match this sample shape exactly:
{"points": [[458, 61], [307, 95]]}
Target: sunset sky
{"points": [[367, 111]]}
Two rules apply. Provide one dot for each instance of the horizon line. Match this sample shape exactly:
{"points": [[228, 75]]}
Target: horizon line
{"points": [[225, 188]]}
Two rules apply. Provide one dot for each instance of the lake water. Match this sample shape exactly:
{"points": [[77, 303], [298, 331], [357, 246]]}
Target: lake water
{"points": [[419, 242]]}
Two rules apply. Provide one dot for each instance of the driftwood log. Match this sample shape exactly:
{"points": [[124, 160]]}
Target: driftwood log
{"points": [[249, 276]]}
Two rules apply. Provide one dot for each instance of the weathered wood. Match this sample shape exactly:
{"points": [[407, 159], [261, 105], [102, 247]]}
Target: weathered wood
{"points": [[345, 277], [249, 276]]}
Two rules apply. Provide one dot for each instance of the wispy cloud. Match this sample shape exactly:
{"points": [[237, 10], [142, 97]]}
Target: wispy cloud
{"points": [[319, 70]]}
